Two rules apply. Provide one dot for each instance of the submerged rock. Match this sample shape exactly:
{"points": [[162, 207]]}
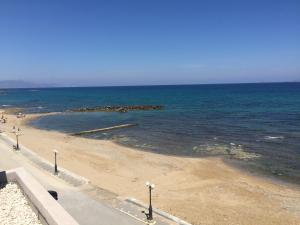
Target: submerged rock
{"points": [[239, 153], [233, 151]]}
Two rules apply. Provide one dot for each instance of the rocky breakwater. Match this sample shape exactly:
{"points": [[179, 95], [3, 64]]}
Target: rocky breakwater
{"points": [[122, 109]]}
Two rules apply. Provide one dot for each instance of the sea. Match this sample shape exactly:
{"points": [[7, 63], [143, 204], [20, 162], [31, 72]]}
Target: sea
{"points": [[253, 126]]}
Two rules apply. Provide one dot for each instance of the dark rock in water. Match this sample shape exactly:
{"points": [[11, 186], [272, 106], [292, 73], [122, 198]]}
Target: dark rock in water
{"points": [[122, 109]]}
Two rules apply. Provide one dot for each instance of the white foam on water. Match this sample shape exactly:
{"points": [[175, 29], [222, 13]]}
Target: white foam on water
{"points": [[273, 137]]}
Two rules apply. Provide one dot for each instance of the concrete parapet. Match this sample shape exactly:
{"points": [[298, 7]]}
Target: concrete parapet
{"points": [[48, 210]]}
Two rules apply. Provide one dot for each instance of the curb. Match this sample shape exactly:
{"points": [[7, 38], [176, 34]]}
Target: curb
{"points": [[158, 211], [64, 174]]}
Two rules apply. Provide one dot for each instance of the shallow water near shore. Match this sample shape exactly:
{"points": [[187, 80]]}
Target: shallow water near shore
{"points": [[258, 124]]}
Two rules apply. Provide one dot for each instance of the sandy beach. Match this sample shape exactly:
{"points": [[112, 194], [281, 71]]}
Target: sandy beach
{"points": [[199, 190]]}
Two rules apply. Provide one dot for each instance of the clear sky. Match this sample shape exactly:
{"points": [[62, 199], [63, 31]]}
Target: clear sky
{"points": [[149, 41]]}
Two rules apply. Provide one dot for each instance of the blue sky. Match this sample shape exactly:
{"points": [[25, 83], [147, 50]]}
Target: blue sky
{"points": [[149, 42]]}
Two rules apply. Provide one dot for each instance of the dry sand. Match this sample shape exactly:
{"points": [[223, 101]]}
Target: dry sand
{"points": [[199, 190]]}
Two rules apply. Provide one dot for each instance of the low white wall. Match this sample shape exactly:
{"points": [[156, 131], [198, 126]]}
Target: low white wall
{"points": [[52, 212]]}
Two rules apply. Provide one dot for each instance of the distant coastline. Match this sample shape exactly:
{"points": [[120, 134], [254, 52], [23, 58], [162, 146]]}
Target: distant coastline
{"points": [[15, 84]]}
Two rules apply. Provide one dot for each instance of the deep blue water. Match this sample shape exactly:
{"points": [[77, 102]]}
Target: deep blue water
{"points": [[263, 118]]}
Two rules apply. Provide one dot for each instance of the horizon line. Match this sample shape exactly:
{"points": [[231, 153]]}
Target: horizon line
{"points": [[142, 85]]}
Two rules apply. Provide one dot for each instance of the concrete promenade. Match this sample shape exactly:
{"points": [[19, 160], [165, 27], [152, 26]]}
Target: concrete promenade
{"points": [[89, 205]]}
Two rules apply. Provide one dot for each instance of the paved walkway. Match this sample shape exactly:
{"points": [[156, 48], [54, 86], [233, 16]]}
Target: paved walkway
{"points": [[89, 205]]}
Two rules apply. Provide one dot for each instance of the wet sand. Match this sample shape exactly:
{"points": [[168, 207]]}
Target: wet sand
{"points": [[199, 190]]}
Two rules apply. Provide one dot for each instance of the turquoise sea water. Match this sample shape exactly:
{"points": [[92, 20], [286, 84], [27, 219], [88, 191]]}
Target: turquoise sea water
{"points": [[256, 124]]}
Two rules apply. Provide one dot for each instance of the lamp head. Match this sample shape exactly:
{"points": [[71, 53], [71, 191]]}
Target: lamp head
{"points": [[147, 183]]}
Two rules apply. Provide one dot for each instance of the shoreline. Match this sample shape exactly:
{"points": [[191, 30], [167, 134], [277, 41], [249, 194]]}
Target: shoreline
{"points": [[187, 187], [235, 162]]}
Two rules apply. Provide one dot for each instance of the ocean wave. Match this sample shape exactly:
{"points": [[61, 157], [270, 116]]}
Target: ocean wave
{"points": [[273, 137], [5, 105]]}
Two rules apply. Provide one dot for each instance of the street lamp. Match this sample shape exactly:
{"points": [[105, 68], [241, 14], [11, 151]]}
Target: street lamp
{"points": [[55, 162], [17, 133], [151, 187], [17, 137]]}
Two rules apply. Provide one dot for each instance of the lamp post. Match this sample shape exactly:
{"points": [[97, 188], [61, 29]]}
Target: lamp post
{"points": [[16, 131], [17, 137], [151, 187], [55, 162]]}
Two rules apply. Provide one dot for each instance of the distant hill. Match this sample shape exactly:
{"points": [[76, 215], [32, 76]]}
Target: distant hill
{"points": [[21, 84]]}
